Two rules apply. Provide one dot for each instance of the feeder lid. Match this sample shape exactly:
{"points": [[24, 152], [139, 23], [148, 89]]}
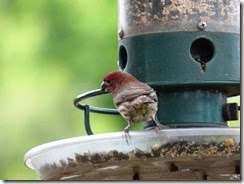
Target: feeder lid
{"points": [[45, 158]]}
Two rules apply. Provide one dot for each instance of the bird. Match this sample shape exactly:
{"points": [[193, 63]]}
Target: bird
{"points": [[135, 101]]}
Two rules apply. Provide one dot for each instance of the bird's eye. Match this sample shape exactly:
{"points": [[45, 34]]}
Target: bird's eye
{"points": [[108, 81]]}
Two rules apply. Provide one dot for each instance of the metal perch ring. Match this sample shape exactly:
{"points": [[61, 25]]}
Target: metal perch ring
{"points": [[87, 109]]}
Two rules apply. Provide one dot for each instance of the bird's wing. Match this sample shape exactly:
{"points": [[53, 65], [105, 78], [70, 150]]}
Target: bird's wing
{"points": [[134, 92]]}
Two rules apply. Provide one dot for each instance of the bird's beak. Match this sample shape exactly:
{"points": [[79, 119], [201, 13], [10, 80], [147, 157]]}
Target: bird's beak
{"points": [[104, 86]]}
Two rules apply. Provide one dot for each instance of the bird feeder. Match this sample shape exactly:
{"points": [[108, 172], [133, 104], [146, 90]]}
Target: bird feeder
{"points": [[189, 52]]}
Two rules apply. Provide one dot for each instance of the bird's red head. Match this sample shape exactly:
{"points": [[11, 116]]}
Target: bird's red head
{"points": [[114, 81]]}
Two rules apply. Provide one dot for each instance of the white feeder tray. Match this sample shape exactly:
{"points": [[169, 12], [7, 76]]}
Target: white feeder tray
{"points": [[147, 156]]}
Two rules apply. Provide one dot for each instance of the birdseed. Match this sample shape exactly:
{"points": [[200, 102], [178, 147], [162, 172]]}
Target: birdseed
{"points": [[170, 151], [174, 15]]}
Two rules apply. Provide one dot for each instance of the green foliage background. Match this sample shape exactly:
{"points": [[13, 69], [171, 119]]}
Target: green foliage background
{"points": [[51, 51]]}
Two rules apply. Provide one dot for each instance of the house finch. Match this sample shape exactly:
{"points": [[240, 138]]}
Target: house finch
{"points": [[135, 101]]}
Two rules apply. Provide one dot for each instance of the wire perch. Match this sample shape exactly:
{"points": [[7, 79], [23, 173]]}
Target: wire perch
{"points": [[87, 109]]}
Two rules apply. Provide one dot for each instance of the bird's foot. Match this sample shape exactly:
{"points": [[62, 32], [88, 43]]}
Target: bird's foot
{"points": [[158, 124], [163, 127], [127, 135], [157, 129]]}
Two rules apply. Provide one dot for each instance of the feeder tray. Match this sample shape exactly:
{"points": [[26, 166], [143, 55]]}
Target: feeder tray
{"points": [[182, 154]]}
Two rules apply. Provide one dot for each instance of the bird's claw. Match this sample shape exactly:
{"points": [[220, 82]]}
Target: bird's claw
{"points": [[126, 130], [157, 129], [163, 126]]}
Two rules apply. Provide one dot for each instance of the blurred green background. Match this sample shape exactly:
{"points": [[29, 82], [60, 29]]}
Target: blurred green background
{"points": [[50, 52]]}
